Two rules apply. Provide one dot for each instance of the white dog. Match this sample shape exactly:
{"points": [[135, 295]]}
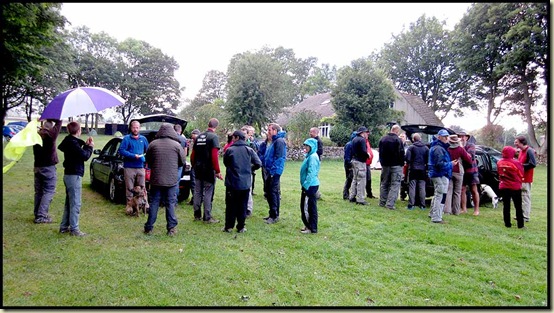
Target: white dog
{"points": [[491, 194]]}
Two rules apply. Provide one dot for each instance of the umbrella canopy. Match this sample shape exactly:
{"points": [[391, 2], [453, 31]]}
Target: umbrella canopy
{"points": [[79, 101]]}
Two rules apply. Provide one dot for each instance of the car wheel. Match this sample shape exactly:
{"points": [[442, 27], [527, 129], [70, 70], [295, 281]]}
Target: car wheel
{"points": [[112, 190]]}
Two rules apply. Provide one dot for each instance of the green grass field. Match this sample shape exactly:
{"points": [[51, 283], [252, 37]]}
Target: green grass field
{"points": [[361, 257]]}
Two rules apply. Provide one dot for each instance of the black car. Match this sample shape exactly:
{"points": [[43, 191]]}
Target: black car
{"points": [[106, 170], [486, 159]]}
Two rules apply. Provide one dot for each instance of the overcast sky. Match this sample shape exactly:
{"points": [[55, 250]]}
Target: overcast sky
{"points": [[205, 36]]}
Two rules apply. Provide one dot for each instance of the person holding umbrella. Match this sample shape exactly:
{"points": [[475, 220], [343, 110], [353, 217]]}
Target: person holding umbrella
{"points": [[76, 152]]}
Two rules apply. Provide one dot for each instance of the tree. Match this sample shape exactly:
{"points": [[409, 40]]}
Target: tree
{"points": [[213, 87], [420, 62], [363, 96], [298, 127], [26, 29], [320, 80], [256, 88], [149, 84]]}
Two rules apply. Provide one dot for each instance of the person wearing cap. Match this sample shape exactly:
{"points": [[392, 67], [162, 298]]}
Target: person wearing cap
{"points": [[240, 161], [417, 157], [205, 161], [309, 182], [471, 175], [527, 159], [454, 194], [359, 157], [193, 135], [440, 171], [391, 154]]}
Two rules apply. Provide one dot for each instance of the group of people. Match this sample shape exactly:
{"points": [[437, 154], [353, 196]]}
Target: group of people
{"points": [[76, 152], [449, 162]]}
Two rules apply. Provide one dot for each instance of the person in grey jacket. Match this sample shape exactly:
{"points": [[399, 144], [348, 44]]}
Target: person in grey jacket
{"points": [[417, 157], [240, 161], [164, 156]]}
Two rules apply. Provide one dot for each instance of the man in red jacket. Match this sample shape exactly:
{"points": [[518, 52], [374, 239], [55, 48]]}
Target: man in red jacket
{"points": [[510, 173], [527, 159]]}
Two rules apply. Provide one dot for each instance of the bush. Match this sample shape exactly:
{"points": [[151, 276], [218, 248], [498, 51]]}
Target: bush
{"points": [[340, 134]]}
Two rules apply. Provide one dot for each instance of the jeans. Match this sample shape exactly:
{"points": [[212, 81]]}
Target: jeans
{"points": [[203, 193], [235, 207], [166, 195], [72, 206], [45, 187], [391, 176], [308, 208], [437, 204], [273, 195]]}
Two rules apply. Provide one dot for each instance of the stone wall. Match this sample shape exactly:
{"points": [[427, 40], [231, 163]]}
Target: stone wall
{"points": [[295, 153]]}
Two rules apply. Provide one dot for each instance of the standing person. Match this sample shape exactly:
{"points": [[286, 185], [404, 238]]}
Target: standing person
{"points": [[193, 135], [76, 152], [391, 153], [359, 171], [368, 189], [471, 175], [205, 161], [248, 132], [132, 149], [309, 181], [511, 175], [240, 161], [348, 167], [454, 194], [314, 133], [46, 158], [417, 157], [440, 171], [164, 156], [252, 143], [261, 154], [274, 162], [229, 141], [184, 144], [527, 159]]}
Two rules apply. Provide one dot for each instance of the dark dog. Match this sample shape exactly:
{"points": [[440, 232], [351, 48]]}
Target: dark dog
{"points": [[138, 202]]}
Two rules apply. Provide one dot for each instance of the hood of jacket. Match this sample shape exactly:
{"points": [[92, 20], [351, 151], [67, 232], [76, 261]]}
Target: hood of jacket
{"points": [[280, 134], [312, 143], [353, 135], [167, 131], [436, 142], [419, 143], [508, 152]]}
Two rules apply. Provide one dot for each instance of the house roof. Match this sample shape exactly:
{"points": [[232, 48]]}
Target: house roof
{"points": [[422, 109], [321, 104]]}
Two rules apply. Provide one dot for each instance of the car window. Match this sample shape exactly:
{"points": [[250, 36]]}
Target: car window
{"points": [[494, 160]]}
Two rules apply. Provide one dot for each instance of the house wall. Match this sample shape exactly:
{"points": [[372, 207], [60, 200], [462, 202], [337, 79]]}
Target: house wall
{"points": [[411, 116]]}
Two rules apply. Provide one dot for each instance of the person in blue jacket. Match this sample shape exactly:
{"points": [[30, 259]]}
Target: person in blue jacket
{"points": [[132, 149], [274, 163], [440, 171], [309, 180]]}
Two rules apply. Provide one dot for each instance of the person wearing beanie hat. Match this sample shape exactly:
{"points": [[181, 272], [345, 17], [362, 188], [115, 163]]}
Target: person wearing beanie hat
{"points": [[440, 171]]}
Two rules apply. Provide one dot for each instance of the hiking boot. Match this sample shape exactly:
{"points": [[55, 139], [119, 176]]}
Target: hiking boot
{"points": [[172, 231], [148, 232], [77, 233], [391, 208], [211, 221], [242, 230], [306, 231], [362, 203], [422, 208], [226, 230], [64, 230], [352, 200], [271, 221], [197, 219], [266, 218], [410, 207], [440, 222], [43, 220]]}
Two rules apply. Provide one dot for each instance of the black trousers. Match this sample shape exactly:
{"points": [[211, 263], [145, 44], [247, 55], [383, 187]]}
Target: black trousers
{"points": [[348, 182], [274, 195], [308, 208], [236, 202], [507, 195]]}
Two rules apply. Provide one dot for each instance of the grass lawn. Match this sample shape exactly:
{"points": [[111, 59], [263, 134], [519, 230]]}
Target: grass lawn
{"points": [[362, 256]]}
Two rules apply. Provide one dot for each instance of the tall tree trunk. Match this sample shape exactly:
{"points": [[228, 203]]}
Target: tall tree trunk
{"points": [[96, 122], [86, 123], [527, 103]]}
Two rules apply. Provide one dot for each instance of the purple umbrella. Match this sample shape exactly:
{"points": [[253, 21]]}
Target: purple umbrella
{"points": [[80, 101]]}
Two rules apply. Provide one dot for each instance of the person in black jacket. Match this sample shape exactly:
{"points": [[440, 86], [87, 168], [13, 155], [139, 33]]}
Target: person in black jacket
{"points": [[391, 154], [359, 157], [76, 152], [240, 161], [46, 159], [417, 157]]}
